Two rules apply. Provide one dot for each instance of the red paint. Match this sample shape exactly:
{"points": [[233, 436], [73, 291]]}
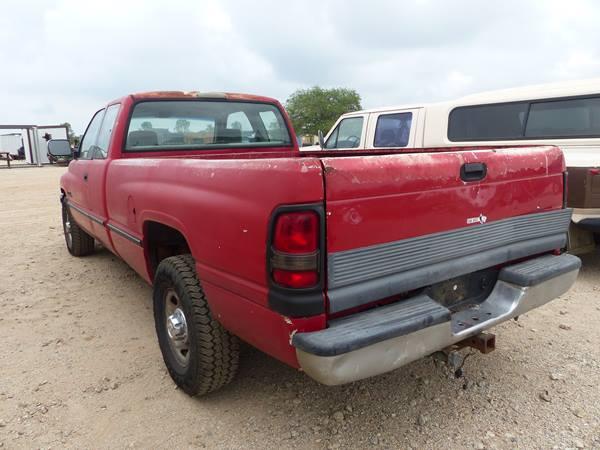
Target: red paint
{"points": [[222, 202], [257, 325], [393, 197]]}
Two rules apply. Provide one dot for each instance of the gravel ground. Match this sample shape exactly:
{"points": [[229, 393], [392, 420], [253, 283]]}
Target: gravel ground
{"points": [[80, 366]]}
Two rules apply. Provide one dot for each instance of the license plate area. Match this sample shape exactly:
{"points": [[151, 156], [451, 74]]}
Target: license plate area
{"points": [[464, 293]]}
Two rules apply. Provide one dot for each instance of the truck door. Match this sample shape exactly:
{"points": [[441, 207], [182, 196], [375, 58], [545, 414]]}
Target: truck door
{"points": [[96, 176], [348, 134], [79, 188]]}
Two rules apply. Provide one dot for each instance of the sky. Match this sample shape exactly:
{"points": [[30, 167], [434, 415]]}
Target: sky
{"points": [[61, 60]]}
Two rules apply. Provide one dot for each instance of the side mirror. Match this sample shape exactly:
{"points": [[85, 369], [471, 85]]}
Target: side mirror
{"points": [[76, 152], [321, 140], [59, 147]]}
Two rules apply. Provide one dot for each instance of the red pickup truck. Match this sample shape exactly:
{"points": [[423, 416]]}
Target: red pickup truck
{"points": [[345, 265]]}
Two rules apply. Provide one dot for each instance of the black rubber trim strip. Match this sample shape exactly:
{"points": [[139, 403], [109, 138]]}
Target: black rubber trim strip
{"points": [[366, 263], [347, 297], [124, 234], [361, 330], [111, 227], [589, 225], [90, 216], [538, 270]]}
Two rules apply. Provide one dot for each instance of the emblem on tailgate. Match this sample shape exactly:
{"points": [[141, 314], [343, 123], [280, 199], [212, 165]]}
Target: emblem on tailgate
{"points": [[481, 218]]}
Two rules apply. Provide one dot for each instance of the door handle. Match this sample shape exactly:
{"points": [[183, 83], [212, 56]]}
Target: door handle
{"points": [[85, 177], [473, 171]]}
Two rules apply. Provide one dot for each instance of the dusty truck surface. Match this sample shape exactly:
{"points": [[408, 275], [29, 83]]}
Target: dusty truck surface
{"points": [[344, 265]]}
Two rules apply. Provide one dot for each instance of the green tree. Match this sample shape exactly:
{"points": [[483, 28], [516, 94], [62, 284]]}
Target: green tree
{"points": [[182, 126], [73, 138], [317, 109]]}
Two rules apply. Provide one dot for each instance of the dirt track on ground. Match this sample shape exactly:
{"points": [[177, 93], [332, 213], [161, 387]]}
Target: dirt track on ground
{"points": [[80, 366]]}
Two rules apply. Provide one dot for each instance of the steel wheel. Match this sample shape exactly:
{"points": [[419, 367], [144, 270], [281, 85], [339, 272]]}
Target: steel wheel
{"points": [[176, 326], [67, 228]]}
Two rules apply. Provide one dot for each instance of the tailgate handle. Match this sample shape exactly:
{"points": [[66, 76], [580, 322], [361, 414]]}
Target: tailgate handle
{"points": [[473, 171]]}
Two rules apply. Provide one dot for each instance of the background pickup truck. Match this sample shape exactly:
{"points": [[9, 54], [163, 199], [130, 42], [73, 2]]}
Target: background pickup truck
{"points": [[562, 114], [345, 265]]}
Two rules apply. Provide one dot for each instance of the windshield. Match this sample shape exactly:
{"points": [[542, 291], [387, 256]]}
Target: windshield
{"points": [[202, 124]]}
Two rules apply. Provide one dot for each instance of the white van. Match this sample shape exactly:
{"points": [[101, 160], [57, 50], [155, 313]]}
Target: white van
{"points": [[566, 114]]}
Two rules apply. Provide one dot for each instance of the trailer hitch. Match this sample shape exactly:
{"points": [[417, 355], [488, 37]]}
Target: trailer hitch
{"points": [[454, 360]]}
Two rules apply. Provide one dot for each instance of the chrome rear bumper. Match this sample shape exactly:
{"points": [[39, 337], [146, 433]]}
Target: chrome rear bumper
{"points": [[384, 339]]}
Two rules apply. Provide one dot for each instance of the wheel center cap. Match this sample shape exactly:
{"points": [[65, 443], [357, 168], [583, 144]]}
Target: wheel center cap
{"points": [[177, 326]]}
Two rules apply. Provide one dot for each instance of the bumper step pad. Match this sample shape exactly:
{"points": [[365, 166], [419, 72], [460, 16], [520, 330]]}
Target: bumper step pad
{"points": [[363, 329], [538, 270]]}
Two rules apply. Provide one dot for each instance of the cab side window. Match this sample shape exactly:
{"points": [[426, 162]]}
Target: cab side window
{"points": [[101, 147], [393, 130], [347, 134], [86, 147]]}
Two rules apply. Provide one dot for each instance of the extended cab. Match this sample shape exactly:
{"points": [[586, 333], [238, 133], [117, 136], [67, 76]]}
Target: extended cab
{"points": [[346, 265]]}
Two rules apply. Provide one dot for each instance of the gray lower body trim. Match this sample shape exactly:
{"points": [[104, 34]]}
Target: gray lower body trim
{"points": [[124, 234], [99, 221], [90, 216], [506, 301]]}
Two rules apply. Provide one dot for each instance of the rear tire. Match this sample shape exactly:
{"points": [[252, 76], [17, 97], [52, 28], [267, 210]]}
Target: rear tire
{"points": [[79, 243], [200, 355]]}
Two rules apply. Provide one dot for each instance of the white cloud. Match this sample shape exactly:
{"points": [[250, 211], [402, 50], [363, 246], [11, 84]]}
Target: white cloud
{"points": [[61, 60]]}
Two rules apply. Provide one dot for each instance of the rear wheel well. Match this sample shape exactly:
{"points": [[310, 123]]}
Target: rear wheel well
{"points": [[162, 241]]}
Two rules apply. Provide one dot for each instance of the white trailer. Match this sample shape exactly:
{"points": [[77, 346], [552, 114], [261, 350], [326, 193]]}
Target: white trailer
{"points": [[34, 139], [11, 142], [43, 134]]}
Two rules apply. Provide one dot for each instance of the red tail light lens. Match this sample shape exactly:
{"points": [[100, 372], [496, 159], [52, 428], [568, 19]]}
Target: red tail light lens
{"points": [[295, 280], [297, 232], [295, 250]]}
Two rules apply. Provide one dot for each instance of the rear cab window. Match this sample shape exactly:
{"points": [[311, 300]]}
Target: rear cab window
{"points": [[204, 124]]}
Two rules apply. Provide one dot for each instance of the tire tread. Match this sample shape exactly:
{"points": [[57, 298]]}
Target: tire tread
{"points": [[82, 244], [217, 350]]}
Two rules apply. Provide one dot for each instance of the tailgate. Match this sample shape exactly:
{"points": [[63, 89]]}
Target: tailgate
{"points": [[403, 221]]}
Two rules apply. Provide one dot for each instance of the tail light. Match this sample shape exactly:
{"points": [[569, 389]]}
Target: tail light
{"points": [[295, 250]]}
